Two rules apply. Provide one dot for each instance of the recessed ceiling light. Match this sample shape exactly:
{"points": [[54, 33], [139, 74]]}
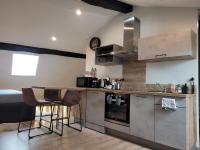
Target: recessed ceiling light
{"points": [[53, 38], [78, 12]]}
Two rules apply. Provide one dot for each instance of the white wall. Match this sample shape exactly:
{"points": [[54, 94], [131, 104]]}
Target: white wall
{"points": [[33, 22], [111, 33], [111, 71], [155, 21], [52, 71]]}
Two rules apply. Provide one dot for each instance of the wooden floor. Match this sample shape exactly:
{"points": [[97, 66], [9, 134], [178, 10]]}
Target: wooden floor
{"points": [[71, 140]]}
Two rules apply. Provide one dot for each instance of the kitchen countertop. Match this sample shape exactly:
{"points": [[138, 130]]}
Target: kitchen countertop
{"points": [[133, 92], [122, 91]]}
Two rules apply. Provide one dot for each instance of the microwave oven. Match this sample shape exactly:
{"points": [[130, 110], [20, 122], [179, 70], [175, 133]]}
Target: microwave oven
{"points": [[88, 82]]}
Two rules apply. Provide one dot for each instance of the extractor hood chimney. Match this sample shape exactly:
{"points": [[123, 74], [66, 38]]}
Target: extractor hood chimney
{"points": [[131, 36]]}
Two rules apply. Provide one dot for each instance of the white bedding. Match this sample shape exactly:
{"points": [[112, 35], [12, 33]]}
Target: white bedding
{"points": [[10, 96]]}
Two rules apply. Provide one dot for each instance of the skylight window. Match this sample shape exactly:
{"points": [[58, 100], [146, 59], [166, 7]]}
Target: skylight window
{"points": [[24, 65]]}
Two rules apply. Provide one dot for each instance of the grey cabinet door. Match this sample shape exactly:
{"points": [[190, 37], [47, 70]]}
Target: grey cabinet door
{"points": [[142, 117], [95, 108], [170, 126]]}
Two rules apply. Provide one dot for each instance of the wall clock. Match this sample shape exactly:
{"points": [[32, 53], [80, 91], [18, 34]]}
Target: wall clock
{"points": [[94, 43]]}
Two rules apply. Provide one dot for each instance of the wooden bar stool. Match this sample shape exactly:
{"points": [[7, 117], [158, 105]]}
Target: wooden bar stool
{"points": [[30, 100]]}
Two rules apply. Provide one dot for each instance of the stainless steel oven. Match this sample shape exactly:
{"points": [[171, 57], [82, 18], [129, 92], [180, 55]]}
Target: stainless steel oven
{"points": [[117, 108]]}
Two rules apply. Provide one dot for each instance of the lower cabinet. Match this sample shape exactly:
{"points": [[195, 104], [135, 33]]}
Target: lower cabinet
{"points": [[147, 119], [142, 116], [95, 108], [117, 127], [170, 126]]}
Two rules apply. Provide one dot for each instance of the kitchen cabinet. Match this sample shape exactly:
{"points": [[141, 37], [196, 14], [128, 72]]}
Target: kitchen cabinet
{"points": [[117, 127], [148, 122], [168, 46], [95, 110], [170, 126], [142, 116], [104, 55]]}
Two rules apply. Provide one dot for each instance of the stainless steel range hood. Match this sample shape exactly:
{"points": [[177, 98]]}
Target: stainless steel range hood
{"points": [[131, 36]]}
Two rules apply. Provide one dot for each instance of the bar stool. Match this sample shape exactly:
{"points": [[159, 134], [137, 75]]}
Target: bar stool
{"points": [[70, 99], [30, 100], [53, 95]]}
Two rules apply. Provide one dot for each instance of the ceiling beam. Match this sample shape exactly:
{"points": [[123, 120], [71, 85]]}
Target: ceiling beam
{"points": [[37, 50], [111, 4]]}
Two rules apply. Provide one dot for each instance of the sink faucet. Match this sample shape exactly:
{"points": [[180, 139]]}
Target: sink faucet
{"points": [[163, 89]]}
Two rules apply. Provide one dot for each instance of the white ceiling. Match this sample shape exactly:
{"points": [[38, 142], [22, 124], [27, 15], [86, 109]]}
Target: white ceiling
{"points": [[164, 3], [33, 22]]}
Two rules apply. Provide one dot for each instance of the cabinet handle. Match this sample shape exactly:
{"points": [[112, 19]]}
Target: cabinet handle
{"points": [[140, 96], [161, 55]]}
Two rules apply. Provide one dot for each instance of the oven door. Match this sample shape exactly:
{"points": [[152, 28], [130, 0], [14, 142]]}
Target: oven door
{"points": [[117, 112]]}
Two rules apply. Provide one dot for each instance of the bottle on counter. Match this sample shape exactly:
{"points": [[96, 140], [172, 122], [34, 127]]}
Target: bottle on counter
{"points": [[113, 84], [94, 72], [185, 89], [190, 85], [189, 88], [178, 88]]}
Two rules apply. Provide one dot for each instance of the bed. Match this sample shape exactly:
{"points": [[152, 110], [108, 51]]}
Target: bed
{"points": [[12, 107]]}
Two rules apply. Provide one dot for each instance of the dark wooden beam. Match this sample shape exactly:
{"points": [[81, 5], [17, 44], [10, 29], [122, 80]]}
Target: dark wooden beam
{"points": [[37, 50], [111, 4]]}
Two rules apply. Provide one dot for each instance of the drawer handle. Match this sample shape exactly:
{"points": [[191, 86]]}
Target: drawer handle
{"points": [[161, 55]]}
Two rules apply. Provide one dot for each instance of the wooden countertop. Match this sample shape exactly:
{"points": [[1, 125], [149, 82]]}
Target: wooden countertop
{"points": [[119, 91], [134, 92]]}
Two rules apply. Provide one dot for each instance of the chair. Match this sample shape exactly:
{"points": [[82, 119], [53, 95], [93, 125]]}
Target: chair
{"points": [[52, 95], [30, 100], [71, 98]]}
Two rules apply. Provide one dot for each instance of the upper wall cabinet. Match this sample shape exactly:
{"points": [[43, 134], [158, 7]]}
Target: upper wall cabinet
{"points": [[168, 46]]}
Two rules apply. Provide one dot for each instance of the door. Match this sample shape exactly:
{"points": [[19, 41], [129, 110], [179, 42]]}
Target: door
{"points": [[178, 43], [95, 108], [148, 48], [170, 126], [142, 116], [174, 45]]}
